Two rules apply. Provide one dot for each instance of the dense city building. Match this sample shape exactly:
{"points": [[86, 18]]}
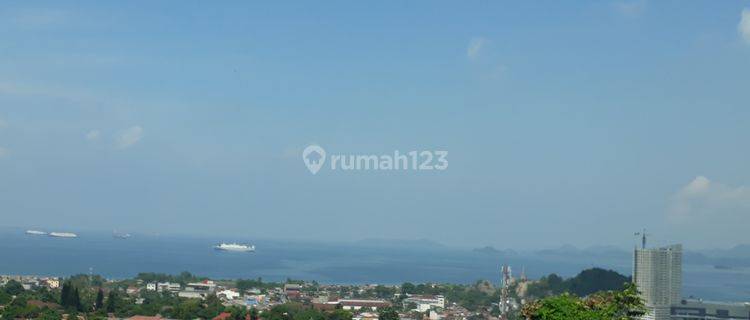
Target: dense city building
{"points": [[658, 274]]}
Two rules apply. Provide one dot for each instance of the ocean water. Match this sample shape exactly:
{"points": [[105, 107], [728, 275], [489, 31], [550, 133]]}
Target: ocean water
{"points": [[354, 263]]}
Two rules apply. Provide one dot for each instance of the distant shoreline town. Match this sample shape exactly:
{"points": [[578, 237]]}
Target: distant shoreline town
{"points": [[657, 276], [156, 296]]}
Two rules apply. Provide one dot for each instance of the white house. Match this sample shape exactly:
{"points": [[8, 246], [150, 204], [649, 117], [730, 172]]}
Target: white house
{"points": [[203, 287], [52, 283], [425, 303], [228, 294], [191, 294], [168, 287]]}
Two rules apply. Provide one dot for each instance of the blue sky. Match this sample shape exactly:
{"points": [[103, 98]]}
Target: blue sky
{"points": [[574, 123]]}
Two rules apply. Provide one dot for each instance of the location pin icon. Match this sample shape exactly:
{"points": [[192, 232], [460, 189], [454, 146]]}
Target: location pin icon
{"points": [[314, 157]]}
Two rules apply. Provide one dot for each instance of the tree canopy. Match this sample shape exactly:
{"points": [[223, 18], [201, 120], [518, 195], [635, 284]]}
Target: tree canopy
{"points": [[183, 278], [388, 314], [605, 305], [13, 288]]}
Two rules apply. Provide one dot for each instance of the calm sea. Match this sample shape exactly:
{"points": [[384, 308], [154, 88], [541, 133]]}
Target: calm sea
{"points": [[324, 262]]}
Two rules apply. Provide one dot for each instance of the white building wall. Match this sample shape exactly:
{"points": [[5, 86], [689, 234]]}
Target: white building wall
{"points": [[658, 274]]}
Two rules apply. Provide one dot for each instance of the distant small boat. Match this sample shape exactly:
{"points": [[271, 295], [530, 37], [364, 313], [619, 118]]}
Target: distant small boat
{"points": [[36, 233], [235, 247], [63, 235], [120, 235]]}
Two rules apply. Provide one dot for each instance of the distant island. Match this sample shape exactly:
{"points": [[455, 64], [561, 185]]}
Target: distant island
{"points": [[487, 249]]}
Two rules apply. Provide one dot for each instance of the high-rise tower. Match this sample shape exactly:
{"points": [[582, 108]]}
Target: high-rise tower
{"points": [[658, 274]]}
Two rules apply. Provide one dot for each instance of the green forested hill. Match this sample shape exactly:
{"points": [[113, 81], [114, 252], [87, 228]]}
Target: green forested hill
{"points": [[583, 284]]}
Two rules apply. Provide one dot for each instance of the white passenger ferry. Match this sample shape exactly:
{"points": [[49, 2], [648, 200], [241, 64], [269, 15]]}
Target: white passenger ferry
{"points": [[235, 247]]}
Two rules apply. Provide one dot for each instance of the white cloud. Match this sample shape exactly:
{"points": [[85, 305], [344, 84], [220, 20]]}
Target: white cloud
{"points": [[129, 137], [630, 8], [4, 152], [703, 200], [744, 26], [92, 135], [475, 47]]}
